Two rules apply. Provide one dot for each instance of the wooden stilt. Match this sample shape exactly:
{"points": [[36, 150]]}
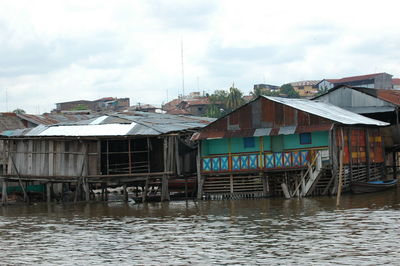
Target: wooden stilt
{"points": [[186, 187], [125, 193], [265, 185], [285, 190], [340, 172], [231, 182], [145, 189], [4, 192], [164, 189], [200, 179], [48, 192], [85, 185], [102, 192], [77, 189]]}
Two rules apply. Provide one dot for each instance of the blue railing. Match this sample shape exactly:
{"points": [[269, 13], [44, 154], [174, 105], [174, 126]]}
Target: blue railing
{"points": [[251, 161]]}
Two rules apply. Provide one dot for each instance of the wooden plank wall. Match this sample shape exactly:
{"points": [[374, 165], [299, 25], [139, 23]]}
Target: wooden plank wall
{"points": [[53, 158]]}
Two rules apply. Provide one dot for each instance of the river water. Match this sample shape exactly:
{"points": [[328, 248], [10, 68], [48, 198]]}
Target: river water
{"points": [[365, 230]]}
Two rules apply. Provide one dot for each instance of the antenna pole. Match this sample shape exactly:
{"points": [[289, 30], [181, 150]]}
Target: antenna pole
{"points": [[6, 101], [183, 73]]}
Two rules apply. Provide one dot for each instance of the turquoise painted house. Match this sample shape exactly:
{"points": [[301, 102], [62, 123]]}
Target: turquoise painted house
{"points": [[271, 140]]}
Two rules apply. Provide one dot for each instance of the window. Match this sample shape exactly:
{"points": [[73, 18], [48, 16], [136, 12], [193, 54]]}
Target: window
{"points": [[305, 138], [249, 142]]}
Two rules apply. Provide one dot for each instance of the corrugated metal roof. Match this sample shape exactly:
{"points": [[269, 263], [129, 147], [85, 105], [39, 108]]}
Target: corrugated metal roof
{"points": [[370, 109], [87, 130], [327, 111], [137, 123]]}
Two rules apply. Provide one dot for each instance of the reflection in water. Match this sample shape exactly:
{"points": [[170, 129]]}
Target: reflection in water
{"points": [[364, 230]]}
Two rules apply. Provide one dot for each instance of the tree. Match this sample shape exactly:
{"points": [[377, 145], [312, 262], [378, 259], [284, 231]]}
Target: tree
{"points": [[19, 111], [289, 91], [322, 90], [259, 91], [214, 111], [234, 99]]}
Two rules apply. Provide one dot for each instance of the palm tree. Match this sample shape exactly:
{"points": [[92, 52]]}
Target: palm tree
{"points": [[234, 99]]}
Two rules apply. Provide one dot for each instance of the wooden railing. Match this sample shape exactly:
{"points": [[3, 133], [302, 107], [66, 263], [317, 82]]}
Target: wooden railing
{"points": [[253, 161]]}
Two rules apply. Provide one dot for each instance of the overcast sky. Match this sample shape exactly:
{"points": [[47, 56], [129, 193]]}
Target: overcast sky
{"points": [[56, 51]]}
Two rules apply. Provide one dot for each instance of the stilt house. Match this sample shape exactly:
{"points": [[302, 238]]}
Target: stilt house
{"points": [[273, 145], [380, 104], [137, 148]]}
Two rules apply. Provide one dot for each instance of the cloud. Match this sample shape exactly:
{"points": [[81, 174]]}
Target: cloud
{"points": [[176, 14], [67, 50]]}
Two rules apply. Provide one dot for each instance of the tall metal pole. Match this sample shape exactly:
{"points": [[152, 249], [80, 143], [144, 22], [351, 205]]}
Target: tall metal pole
{"points": [[183, 73]]}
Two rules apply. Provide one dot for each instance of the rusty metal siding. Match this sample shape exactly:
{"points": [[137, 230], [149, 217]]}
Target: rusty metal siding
{"points": [[303, 119], [289, 116], [268, 112], [245, 120], [279, 115], [256, 113]]}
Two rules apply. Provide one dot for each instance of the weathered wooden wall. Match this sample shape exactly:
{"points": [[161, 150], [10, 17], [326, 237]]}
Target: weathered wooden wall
{"points": [[52, 158]]}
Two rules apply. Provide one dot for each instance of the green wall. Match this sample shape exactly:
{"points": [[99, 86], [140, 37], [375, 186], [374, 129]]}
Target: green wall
{"points": [[290, 142], [318, 139]]}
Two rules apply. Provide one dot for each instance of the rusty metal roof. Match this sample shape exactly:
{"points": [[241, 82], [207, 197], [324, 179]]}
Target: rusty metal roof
{"points": [[311, 116], [123, 124], [50, 119], [259, 132]]}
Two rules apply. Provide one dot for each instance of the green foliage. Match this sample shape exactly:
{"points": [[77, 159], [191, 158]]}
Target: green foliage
{"points": [[235, 98], [322, 90], [19, 111], [288, 90], [222, 102], [214, 111], [218, 97], [258, 91], [80, 107]]}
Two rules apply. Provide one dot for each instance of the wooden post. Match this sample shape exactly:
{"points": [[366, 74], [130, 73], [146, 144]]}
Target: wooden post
{"points": [[164, 188], [129, 157], [48, 192], [350, 154], [340, 171], [394, 165], [4, 192], [145, 189], [368, 155], [231, 182], [108, 160], [199, 177], [285, 191], [265, 184], [26, 198], [148, 155], [125, 193], [85, 185], [168, 165], [177, 157], [77, 189]]}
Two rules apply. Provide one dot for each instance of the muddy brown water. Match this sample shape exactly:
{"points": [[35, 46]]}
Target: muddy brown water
{"points": [[365, 230]]}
